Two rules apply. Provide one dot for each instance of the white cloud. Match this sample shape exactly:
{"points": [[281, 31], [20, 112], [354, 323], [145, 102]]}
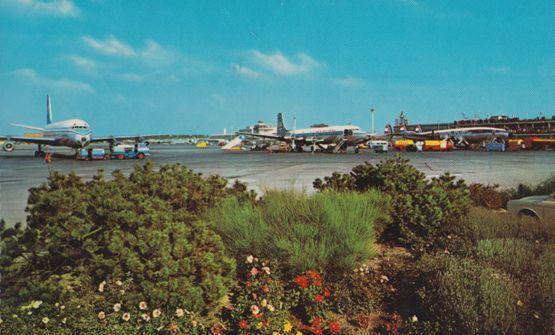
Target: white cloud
{"points": [[348, 81], [109, 46], [245, 71], [155, 54], [218, 99], [131, 77], [60, 8], [84, 63], [31, 76], [281, 65]]}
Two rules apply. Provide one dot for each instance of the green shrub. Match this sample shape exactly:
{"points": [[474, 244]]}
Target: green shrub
{"points": [[464, 297], [329, 231], [145, 226], [514, 256], [423, 212]]}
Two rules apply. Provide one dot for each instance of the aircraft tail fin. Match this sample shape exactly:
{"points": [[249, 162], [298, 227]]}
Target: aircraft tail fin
{"points": [[48, 110], [281, 130]]}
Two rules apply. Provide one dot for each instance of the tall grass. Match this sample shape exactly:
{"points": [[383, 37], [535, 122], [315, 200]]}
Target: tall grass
{"points": [[328, 231], [487, 224]]}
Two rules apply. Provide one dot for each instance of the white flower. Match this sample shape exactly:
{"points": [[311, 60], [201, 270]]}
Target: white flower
{"points": [[519, 303], [264, 303], [101, 315], [142, 305], [384, 278], [266, 269], [194, 323], [62, 307], [119, 283], [1, 321], [145, 317], [250, 258], [101, 286], [122, 292], [255, 310], [126, 316], [271, 308], [117, 307], [414, 318], [156, 313], [45, 320], [179, 312], [64, 320]]}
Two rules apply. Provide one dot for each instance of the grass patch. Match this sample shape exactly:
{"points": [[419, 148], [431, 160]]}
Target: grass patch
{"points": [[328, 231]]}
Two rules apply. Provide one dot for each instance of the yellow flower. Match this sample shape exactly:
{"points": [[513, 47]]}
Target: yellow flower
{"points": [[299, 333], [119, 283], [259, 325], [117, 307], [194, 323], [156, 313], [287, 326], [276, 333], [145, 317], [179, 312], [271, 308], [142, 305], [45, 320], [264, 303], [101, 315], [101, 286], [126, 316]]}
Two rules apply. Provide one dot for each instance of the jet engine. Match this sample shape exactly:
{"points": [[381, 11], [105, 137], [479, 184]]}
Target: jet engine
{"points": [[8, 146]]}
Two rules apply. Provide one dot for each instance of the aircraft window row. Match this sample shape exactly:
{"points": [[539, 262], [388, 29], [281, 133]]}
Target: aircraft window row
{"points": [[79, 127]]}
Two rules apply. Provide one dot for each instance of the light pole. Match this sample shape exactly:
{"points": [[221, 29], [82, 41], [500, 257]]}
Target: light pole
{"points": [[372, 113]]}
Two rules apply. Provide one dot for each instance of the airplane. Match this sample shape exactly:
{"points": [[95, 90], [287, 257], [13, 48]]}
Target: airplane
{"points": [[325, 137], [72, 133], [461, 136]]}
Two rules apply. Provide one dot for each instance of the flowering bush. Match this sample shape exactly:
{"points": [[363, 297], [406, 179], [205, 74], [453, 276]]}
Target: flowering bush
{"points": [[260, 302], [104, 309], [314, 300]]}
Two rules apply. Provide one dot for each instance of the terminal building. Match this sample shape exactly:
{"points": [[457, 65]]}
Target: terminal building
{"points": [[543, 127]]}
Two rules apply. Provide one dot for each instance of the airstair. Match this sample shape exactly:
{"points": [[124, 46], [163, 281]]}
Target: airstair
{"points": [[233, 144]]}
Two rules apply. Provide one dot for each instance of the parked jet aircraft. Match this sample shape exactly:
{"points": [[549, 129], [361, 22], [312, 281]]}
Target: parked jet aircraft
{"points": [[329, 138], [461, 136], [73, 133]]}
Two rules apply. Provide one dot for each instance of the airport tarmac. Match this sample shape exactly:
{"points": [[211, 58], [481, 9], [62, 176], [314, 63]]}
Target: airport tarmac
{"points": [[19, 170]]}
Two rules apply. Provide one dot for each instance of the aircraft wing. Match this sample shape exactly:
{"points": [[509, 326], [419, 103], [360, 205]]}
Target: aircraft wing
{"points": [[29, 139], [271, 137], [112, 139]]}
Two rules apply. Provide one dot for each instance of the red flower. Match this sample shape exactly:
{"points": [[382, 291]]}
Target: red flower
{"points": [[318, 298], [314, 275], [317, 283], [266, 323], [317, 331], [265, 288], [249, 284], [316, 322], [334, 327], [243, 324], [326, 293], [302, 281]]}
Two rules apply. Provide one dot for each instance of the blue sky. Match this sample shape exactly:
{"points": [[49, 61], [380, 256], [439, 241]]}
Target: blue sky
{"points": [[201, 66]]}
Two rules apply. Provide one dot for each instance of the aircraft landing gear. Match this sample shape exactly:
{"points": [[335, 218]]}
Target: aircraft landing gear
{"points": [[39, 152], [357, 149]]}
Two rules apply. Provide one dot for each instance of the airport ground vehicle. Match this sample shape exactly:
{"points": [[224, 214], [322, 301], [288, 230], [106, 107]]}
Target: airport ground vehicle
{"points": [[130, 151], [539, 207], [92, 154], [379, 146], [495, 146], [438, 145]]}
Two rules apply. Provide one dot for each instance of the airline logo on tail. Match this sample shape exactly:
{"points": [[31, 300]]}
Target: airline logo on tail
{"points": [[281, 130], [48, 110]]}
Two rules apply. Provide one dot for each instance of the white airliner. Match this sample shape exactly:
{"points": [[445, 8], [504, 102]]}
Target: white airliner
{"points": [[320, 135], [462, 136], [72, 133]]}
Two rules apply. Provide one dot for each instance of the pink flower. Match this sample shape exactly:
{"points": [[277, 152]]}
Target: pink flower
{"points": [[254, 271]]}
